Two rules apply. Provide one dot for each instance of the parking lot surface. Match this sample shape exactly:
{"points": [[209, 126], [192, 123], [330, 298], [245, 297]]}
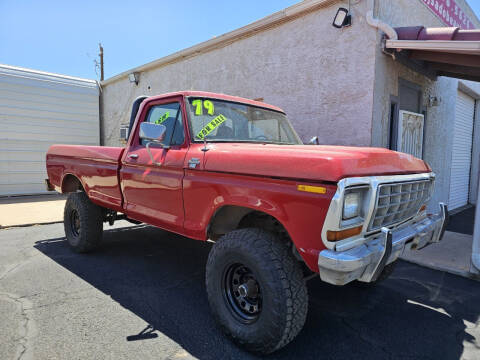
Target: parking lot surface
{"points": [[142, 295]]}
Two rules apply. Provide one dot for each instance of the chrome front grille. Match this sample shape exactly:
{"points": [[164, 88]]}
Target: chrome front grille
{"points": [[397, 202]]}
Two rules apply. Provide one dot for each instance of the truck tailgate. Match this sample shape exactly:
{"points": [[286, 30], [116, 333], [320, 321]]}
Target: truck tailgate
{"points": [[96, 167]]}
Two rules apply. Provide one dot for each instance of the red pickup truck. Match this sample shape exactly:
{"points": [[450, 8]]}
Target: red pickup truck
{"points": [[233, 171]]}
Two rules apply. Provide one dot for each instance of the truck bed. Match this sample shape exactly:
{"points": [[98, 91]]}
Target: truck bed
{"points": [[95, 166]]}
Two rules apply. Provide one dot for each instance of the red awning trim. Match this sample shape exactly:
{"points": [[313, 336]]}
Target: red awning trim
{"points": [[443, 33], [447, 51]]}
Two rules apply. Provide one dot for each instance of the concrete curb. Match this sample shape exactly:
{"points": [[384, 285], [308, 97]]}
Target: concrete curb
{"points": [[27, 225], [462, 273]]}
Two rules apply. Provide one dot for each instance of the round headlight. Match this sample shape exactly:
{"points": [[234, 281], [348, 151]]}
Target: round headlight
{"points": [[351, 205]]}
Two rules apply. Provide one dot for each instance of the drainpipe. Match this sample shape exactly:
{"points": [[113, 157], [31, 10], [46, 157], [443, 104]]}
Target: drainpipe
{"points": [[387, 29], [476, 237]]}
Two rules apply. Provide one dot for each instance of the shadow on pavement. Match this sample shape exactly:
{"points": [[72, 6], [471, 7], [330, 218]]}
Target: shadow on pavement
{"points": [[463, 221], [417, 313]]}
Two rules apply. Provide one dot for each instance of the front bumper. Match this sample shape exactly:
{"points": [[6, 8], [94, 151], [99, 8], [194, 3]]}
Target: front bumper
{"points": [[366, 262]]}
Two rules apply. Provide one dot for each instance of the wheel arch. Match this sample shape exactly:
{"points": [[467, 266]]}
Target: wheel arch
{"points": [[226, 218], [230, 217], [71, 183]]}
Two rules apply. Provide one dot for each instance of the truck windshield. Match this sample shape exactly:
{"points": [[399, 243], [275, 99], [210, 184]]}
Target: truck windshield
{"points": [[216, 120]]}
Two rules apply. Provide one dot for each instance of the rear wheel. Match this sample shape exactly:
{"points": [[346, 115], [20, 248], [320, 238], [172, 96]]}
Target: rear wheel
{"points": [[256, 290], [83, 223]]}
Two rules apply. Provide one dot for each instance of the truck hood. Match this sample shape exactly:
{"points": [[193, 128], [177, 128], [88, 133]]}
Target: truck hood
{"points": [[309, 162]]}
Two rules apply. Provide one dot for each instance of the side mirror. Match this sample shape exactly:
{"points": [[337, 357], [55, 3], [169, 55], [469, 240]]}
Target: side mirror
{"points": [[153, 133], [314, 141]]}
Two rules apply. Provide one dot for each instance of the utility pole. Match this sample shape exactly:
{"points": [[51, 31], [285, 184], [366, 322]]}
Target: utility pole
{"points": [[101, 61]]}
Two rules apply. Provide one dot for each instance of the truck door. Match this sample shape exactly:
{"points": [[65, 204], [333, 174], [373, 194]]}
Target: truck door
{"points": [[153, 192]]}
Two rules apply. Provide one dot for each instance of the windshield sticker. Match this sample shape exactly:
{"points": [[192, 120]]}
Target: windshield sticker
{"points": [[207, 104], [212, 125], [199, 105], [162, 118]]}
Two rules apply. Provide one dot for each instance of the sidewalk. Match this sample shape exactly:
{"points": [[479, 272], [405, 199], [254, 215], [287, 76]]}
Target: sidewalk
{"points": [[452, 255], [31, 210]]}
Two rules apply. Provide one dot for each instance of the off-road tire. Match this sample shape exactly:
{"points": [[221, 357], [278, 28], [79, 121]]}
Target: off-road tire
{"points": [[281, 283], [88, 216], [384, 275]]}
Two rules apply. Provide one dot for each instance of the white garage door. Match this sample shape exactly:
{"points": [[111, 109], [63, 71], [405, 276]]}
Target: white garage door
{"points": [[37, 110], [461, 151]]}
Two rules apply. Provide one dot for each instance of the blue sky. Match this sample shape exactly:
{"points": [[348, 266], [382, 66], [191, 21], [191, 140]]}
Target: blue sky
{"points": [[63, 36]]}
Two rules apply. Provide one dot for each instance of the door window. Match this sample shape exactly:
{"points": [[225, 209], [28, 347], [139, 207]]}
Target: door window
{"points": [[169, 115]]}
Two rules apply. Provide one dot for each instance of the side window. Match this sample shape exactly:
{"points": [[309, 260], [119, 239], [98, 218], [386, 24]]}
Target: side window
{"points": [[169, 115]]}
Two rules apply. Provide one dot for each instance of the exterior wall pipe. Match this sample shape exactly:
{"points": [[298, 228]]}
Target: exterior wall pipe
{"points": [[387, 29], [476, 238]]}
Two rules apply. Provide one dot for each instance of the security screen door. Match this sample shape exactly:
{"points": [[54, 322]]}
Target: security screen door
{"points": [[410, 133]]}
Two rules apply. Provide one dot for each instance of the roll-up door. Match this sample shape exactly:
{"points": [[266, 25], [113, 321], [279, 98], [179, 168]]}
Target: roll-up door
{"points": [[461, 151]]}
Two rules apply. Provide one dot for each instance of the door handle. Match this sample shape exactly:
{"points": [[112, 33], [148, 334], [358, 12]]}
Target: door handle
{"points": [[133, 156]]}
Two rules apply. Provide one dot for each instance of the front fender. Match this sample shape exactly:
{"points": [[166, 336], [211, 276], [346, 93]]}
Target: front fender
{"points": [[301, 213]]}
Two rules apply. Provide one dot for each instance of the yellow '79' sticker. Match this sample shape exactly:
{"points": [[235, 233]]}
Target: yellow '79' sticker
{"points": [[212, 125], [199, 105]]}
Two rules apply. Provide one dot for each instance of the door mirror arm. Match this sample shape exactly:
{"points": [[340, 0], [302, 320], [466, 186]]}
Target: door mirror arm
{"points": [[150, 152], [153, 133]]}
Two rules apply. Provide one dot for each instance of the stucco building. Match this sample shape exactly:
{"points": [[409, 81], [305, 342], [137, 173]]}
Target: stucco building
{"points": [[341, 84]]}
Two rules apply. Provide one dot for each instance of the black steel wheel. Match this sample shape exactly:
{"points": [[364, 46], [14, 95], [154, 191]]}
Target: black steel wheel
{"points": [[75, 222], [83, 222], [242, 292], [256, 290]]}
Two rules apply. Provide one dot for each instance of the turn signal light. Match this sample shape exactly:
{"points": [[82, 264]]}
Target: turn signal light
{"points": [[343, 234], [312, 189]]}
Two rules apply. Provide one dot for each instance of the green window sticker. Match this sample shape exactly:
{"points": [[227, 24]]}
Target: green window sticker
{"points": [[212, 125], [162, 118], [199, 105], [207, 104]]}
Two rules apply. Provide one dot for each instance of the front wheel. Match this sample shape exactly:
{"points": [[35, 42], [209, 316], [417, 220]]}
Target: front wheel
{"points": [[83, 222], [256, 290]]}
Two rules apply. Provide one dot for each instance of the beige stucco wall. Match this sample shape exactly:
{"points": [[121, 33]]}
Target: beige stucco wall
{"points": [[439, 119], [321, 76], [336, 84]]}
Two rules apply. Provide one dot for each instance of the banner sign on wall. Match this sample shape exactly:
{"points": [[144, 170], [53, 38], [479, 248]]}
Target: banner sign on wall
{"points": [[450, 13]]}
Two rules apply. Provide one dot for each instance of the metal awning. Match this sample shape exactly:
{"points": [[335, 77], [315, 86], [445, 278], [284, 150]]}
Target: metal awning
{"points": [[447, 51]]}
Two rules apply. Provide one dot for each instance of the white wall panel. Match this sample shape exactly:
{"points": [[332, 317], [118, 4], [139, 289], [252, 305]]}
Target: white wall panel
{"points": [[37, 110]]}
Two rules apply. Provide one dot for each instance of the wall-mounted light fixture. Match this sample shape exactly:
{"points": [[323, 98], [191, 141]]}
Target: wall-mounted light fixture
{"points": [[342, 18], [133, 77]]}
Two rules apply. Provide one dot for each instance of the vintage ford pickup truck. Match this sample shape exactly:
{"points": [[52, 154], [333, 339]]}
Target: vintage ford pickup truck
{"points": [[233, 171]]}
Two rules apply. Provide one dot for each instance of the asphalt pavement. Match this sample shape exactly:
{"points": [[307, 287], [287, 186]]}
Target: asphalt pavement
{"points": [[142, 295]]}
